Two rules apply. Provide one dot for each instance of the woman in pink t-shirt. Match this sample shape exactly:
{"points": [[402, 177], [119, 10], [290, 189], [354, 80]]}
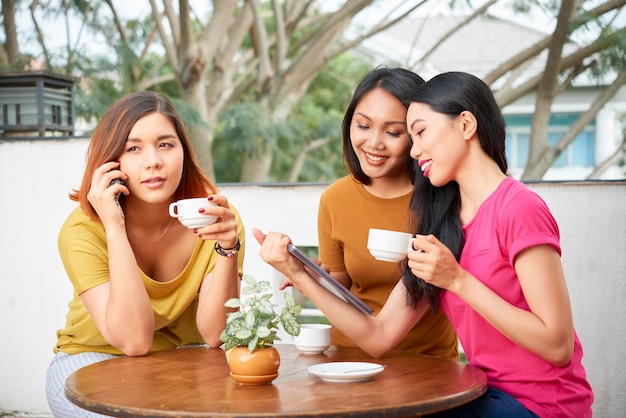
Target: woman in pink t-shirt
{"points": [[488, 256], [506, 296]]}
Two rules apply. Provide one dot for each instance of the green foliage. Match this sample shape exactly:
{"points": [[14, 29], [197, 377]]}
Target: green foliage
{"points": [[241, 128], [316, 117], [255, 324], [310, 123], [118, 66]]}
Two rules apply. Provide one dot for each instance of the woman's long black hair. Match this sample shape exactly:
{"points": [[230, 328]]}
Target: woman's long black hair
{"points": [[435, 210]]}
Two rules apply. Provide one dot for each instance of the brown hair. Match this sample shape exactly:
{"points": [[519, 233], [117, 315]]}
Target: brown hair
{"points": [[108, 142]]}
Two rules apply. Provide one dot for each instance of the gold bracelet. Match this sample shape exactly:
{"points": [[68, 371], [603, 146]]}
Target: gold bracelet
{"points": [[227, 252]]}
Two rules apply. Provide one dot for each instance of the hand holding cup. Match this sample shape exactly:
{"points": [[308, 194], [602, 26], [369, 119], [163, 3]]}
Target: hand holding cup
{"points": [[188, 212]]}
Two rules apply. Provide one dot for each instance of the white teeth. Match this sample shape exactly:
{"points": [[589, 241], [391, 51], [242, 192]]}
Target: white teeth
{"points": [[426, 165], [374, 157]]}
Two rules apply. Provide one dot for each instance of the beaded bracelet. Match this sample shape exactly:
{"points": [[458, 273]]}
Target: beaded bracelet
{"points": [[227, 252]]}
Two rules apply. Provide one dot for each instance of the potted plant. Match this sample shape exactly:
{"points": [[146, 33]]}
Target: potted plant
{"points": [[251, 331]]}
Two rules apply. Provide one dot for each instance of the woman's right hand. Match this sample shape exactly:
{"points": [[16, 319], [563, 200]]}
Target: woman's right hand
{"points": [[102, 195], [274, 252], [434, 263], [286, 283]]}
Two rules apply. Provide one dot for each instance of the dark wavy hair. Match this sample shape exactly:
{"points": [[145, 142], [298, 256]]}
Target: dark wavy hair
{"points": [[437, 208], [108, 142], [400, 83]]}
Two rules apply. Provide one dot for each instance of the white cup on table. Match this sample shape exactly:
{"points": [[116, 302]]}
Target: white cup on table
{"points": [[386, 245], [313, 338]]}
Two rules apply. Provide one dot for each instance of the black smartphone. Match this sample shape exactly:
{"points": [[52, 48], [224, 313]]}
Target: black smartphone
{"points": [[117, 196], [117, 181]]}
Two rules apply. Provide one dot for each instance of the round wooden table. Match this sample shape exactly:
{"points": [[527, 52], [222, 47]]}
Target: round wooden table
{"points": [[195, 382]]}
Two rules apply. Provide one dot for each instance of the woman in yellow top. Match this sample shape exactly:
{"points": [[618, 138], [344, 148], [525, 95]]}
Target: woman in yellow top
{"points": [[142, 281], [376, 194]]}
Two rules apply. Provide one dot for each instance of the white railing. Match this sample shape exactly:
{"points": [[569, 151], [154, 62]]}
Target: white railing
{"points": [[37, 175]]}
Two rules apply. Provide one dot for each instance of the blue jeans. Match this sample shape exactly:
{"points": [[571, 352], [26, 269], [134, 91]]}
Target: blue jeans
{"points": [[492, 404]]}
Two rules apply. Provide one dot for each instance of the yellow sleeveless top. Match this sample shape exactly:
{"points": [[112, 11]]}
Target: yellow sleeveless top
{"points": [[83, 251]]}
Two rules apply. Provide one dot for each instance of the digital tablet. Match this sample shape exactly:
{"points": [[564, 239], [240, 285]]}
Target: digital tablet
{"points": [[328, 282]]}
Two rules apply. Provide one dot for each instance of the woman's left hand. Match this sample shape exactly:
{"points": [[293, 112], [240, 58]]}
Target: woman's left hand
{"points": [[224, 230], [435, 263]]}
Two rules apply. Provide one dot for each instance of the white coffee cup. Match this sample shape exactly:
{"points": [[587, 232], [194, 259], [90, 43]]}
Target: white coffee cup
{"points": [[313, 338], [186, 211], [386, 245]]}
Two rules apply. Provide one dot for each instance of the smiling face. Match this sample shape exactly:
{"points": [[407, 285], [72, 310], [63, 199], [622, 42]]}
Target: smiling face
{"points": [[439, 143], [378, 135], [153, 159]]}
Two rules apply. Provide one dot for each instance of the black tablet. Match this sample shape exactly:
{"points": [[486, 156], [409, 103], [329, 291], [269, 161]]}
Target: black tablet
{"points": [[328, 282]]}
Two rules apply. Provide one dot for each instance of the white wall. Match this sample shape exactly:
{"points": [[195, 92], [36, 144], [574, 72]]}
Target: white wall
{"points": [[35, 291]]}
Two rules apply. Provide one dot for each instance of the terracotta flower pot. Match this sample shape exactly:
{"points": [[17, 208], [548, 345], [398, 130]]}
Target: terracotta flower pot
{"points": [[253, 368]]}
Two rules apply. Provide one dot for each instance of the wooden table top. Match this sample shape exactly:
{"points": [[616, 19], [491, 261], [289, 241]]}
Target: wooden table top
{"points": [[195, 382]]}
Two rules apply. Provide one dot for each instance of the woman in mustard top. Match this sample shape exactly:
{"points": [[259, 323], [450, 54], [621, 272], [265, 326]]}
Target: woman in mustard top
{"points": [[142, 281], [376, 194]]}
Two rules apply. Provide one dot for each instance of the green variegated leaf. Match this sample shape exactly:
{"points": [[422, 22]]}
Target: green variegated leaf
{"points": [[266, 307], [253, 344], [249, 279], [233, 303], [263, 286], [291, 325], [250, 319], [243, 333], [262, 332], [289, 300], [295, 310]]}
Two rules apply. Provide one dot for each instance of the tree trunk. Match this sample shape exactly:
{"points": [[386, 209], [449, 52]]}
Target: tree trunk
{"points": [[201, 135], [298, 163], [11, 47], [609, 162], [549, 154], [257, 164], [540, 152]]}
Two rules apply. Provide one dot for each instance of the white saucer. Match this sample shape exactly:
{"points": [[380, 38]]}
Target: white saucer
{"points": [[306, 349], [345, 371]]}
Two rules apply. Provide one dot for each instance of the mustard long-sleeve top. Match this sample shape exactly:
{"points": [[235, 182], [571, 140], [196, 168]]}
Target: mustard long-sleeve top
{"points": [[346, 212]]}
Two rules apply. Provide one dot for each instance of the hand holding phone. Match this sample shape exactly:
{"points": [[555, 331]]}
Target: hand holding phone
{"points": [[117, 181], [117, 196]]}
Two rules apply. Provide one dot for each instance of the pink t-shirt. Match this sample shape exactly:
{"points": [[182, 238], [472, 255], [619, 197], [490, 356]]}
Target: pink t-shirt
{"points": [[512, 219]]}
